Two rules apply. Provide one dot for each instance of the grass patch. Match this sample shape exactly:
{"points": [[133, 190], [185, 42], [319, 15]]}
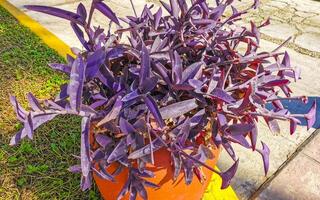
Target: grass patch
{"points": [[34, 169]]}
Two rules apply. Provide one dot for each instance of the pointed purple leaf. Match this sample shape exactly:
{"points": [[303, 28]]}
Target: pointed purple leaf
{"points": [[240, 129], [265, 153], [94, 62], [61, 67], [153, 107], [34, 103], [75, 169], [228, 175], [114, 113], [119, 151], [222, 95], [157, 18], [145, 65], [177, 68], [75, 87], [85, 146], [126, 127], [106, 10], [81, 10], [311, 116], [178, 109], [73, 17], [103, 140], [80, 35]]}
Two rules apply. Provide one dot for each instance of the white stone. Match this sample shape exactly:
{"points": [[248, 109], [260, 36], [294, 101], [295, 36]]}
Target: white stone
{"points": [[310, 41], [280, 31]]}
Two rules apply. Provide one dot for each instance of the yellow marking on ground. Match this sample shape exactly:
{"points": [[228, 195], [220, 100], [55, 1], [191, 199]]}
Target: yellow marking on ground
{"points": [[49, 38], [214, 192]]}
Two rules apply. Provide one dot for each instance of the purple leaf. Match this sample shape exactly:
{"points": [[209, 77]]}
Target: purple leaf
{"points": [[149, 84], [153, 107], [144, 151], [175, 8], [273, 125], [274, 83], [81, 10], [188, 171], [265, 152], [253, 136], [85, 146], [86, 182], [184, 132], [113, 114], [177, 68], [61, 67], [240, 129], [107, 177], [126, 127], [150, 184], [142, 191], [166, 6], [28, 127], [228, 175], [104, 9], [130, 96], [73, 17], [227, 146], [75, 169], [103, 140], [133, 193], [191, 71], [311, 116], [145, 65], [177, 164], [286, 60], [178, 109], [94, 62], [119, 151], [222, 95], [157, 18], [163, 72], [240, 139], [75, 87], [79, 34], [293, 124], [256, 4], [31, 124], [34, 103], [124, 190]]}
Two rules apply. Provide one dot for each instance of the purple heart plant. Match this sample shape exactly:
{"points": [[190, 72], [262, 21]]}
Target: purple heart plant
{"points": [[181, 69]]}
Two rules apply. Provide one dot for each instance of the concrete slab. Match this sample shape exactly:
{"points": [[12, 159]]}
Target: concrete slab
{"points": [[294, 18], [312, 149], [250, 174], [299, 180]]}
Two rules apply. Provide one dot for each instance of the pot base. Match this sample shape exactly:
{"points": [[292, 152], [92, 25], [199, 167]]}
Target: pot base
{"points": [[163, 170]]}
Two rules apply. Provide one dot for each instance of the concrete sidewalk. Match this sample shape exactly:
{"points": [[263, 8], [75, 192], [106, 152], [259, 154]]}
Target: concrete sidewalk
{"points": [[294, 161]]}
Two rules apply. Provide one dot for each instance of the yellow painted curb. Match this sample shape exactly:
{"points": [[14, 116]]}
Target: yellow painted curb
{"points": [[49, 38], [213, 191]]}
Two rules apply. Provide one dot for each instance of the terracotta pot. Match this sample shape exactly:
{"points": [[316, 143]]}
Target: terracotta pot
{"points": [[163, 170]]}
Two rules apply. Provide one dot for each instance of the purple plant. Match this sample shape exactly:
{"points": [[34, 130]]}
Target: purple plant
{"points": [[183, 71]]}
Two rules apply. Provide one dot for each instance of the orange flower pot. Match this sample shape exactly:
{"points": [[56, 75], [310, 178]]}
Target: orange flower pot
{"points": [[163, 170]]}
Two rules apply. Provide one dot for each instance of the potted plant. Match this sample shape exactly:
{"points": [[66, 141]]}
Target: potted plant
{"points": [[157, 108]]}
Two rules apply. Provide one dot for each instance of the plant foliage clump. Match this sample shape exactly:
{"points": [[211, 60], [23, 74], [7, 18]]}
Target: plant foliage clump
{"points": [[187, 79]]}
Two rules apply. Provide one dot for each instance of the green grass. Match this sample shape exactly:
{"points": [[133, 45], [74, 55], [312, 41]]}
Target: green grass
{"points": [[34, 169]]}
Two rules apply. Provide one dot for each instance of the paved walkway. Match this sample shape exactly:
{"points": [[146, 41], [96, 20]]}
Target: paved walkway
{"points": [[294, 161]]}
